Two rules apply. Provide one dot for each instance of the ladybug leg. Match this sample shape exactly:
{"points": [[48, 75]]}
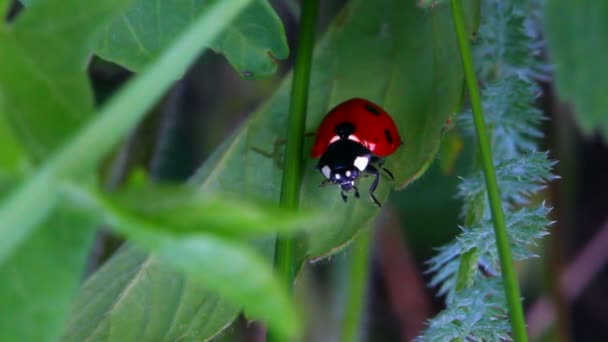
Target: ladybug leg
{"points": [[324, 183], [356, 192], [390, 174], [344, 198], [380, 163], [371, 169]]}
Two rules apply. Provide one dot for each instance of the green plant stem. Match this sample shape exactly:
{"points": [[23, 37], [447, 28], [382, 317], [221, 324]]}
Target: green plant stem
{"points": [[293, 165], [29, 204], [511, 286], [357, 285], [292, 176]]}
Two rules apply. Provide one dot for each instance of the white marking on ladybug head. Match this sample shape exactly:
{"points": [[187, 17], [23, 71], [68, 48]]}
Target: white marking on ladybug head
{"points": [[336, 137], [348, 173], [361, 163], [354, 138], [326, 170]]}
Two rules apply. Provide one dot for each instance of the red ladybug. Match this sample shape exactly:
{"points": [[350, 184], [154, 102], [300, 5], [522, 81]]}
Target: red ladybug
{"points": [[354, 136]]}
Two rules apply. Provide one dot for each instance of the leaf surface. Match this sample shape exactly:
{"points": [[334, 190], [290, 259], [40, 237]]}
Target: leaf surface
{"points": [[576, 36], [228, 267], [44, 97], [144, 299], [63, 98], [251, 44], [42, 277]]}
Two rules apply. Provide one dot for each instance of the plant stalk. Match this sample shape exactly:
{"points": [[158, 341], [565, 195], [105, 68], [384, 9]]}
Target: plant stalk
{"points": [[29, 204], [511, 286], [357, 286], [293, 164]]}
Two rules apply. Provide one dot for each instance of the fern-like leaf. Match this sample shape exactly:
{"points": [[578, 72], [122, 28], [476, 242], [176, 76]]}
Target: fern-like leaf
{"points": [[467, 270]]}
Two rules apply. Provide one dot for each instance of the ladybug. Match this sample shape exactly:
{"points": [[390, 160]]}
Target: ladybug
{"points": [[352, 138]]}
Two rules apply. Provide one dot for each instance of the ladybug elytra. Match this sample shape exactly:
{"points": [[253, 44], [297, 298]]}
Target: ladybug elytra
{"points": [[352, 140]]}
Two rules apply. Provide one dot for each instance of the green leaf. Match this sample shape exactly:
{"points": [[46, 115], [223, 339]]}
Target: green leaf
{"points": [[4, 8], [238, 273], [42, 277], [182, 211], [576, 37], [30, 202], [135, 297], [467, 269], [62, 95], [119, 115], [12, 159], [251, 44], [391, 52], [230, 268], [57, 80], [56, 77], [44, 96]]}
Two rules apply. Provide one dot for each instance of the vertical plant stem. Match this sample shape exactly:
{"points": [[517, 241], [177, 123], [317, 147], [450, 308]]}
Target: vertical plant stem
{"points": [[357, 285], [293, 165], [511, 286]]}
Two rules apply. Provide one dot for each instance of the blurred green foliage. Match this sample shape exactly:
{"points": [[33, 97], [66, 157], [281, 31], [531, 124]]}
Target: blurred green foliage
{"points": [[576, 37]]}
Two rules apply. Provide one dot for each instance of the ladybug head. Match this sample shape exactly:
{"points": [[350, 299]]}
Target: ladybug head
{"points": [[345, 177], [343, 162]]}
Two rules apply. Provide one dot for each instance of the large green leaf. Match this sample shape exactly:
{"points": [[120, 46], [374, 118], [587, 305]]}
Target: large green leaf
{"points": [[135, 297], [42, 277], [577, 33], [44, 96], [45, 92], [250, 44], [12, 159], [228, 267], [31, 201], [404, 58]]}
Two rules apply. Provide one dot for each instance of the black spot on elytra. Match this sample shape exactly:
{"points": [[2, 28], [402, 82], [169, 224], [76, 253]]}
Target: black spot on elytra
{"points": [[344, 129], [388, 136], [372, 109]]}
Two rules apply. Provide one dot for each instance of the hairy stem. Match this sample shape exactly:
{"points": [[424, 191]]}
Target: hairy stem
{"points": [[293, 165], [511, 286], [358, 274]]}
